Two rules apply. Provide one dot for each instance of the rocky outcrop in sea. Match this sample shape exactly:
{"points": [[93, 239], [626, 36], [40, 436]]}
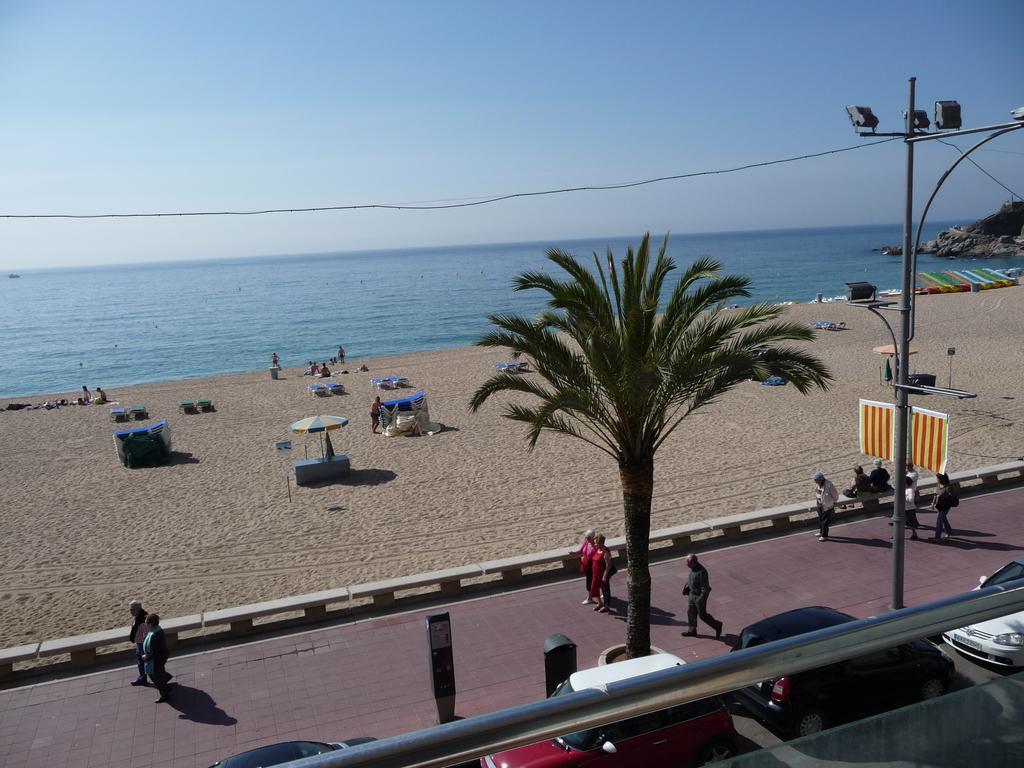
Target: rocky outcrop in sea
{"points": [[1000, 235]]}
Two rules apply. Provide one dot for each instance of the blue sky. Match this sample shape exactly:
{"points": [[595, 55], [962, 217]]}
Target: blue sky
{"points": [[228, 105]]}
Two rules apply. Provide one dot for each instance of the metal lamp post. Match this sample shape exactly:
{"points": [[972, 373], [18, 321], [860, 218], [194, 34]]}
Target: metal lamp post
{"points": [[916, 124]]}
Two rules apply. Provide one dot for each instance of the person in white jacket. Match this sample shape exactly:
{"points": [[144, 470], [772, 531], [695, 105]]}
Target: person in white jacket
{"points": [[826, 496]]}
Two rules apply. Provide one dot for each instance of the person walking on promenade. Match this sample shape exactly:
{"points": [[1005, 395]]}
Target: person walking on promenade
{"points": [[600, 561], [826, 496], [697, 591], [375, 415], [944, 501], [137, 635], [154, 653], [910, 508], [586, 551]]}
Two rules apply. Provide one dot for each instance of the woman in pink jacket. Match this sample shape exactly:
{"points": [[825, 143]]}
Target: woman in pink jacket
{"points": [[586, 552]]}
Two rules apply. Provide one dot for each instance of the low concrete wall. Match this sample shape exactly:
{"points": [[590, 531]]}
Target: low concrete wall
{"points": [[451, 582]]}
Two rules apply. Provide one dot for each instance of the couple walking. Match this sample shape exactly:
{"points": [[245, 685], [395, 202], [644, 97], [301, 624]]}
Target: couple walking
{"points": [[597, 567], [150, 649]]}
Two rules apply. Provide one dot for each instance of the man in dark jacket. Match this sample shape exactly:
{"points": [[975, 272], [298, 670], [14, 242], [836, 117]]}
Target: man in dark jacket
{"points": [[697, 590], [137, 636], [879, 478], [155, 656]]}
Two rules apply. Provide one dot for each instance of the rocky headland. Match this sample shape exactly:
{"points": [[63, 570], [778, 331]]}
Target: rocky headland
{"points": [[1000, 235]]}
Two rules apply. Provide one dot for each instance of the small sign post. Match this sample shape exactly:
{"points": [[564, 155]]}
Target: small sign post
{"points": [[950, 351], [285, 446]]}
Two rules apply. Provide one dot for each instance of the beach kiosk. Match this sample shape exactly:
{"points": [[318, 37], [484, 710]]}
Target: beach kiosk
{"points": [[330, 466]]}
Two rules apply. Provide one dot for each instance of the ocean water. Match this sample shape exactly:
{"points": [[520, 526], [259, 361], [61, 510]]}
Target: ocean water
{"points": [[120, 325]]}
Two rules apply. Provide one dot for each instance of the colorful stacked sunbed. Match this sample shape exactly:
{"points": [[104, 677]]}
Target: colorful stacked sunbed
{"points": [[958, 280]]}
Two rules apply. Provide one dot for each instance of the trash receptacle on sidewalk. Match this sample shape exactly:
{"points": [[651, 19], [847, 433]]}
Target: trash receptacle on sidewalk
{"points": [[559, 661]]}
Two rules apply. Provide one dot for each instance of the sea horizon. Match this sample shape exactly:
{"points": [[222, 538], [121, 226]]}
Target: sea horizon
{"points": [[545, 243], [122, 325]]}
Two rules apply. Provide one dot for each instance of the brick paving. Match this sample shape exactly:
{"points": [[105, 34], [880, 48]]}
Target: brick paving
{"points": [[369, 677]]}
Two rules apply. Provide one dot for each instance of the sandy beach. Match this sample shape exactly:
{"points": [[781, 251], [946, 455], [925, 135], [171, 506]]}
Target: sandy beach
{"points": [[81, 534]]}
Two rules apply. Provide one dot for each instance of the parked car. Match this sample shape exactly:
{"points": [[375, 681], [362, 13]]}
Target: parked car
{"points": [[692, 734], [808, 702], [284, 752], [999, 641]]}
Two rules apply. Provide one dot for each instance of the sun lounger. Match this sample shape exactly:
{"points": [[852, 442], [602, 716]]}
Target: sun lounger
{"points": [[139, 412], [512, 366], [336, 388], [204, 405], [774, 381], [382, 383], [318, 389], [187, 406], [118, 414]]}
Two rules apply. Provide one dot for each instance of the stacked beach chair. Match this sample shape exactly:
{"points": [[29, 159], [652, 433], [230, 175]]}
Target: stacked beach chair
{"points": [[962, 280]]}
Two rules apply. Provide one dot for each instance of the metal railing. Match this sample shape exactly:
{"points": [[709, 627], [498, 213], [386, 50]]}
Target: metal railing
{"points": [[456, 742]]}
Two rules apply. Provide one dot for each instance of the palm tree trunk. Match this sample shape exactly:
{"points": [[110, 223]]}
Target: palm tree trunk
{"points": [[637, 487]]}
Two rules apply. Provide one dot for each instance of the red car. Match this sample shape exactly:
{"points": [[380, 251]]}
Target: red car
{"points": [[692, 734]]}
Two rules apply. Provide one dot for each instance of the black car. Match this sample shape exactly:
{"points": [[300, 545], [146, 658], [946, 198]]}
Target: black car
{"points": [[808, 702], [285, 752]]}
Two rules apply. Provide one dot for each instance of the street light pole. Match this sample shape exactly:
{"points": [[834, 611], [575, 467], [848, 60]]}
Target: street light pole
{"points": [[902, 371]]}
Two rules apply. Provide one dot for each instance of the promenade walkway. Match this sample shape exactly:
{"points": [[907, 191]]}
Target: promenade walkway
{"points": [[370, 677]]}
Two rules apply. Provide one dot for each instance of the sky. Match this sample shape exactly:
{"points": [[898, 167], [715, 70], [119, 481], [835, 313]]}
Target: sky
{"points": [[140, 107]]}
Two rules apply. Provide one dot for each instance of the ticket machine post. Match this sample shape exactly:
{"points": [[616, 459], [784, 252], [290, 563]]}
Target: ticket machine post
{"points": [[442, 665]]}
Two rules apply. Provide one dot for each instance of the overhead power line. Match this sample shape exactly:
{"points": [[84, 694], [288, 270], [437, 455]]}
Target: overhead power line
{"points": [[971, 160], [446, 205]]}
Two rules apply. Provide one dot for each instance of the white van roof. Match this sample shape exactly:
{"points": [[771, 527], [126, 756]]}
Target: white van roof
{"points": [[623, 670]]}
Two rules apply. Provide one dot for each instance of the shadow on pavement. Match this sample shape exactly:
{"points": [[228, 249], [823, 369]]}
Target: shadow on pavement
{"points": [[198, 706]]}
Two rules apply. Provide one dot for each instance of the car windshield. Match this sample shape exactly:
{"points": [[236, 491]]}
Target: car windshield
{"points": [[581, 740], [1010, 572], [275, 754]]}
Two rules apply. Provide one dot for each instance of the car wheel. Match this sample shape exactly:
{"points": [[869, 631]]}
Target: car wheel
{"points": [[809, 721], [715, 751], [932, 688]]}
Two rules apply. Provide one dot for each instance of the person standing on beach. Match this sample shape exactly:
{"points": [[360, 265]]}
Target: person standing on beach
{"points": [[826, 496], [137, 635], [341, 354], [586, 551], [154, 653], [375, 415], [697, 591], [275, 361]]}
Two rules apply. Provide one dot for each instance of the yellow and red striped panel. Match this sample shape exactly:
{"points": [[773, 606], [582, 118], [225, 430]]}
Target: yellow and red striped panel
{"points": [[930, 439], [876, 428]]}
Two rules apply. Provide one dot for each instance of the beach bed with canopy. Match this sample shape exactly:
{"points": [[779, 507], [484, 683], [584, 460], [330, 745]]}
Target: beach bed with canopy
{"points": [[145, 445], [407, 416]]}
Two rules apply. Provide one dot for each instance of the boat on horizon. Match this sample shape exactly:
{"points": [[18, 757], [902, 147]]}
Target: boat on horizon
{"points": [[12, 275]]}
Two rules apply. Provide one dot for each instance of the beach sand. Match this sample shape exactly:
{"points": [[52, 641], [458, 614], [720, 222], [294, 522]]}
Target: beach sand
{"points": [[81, 534]]}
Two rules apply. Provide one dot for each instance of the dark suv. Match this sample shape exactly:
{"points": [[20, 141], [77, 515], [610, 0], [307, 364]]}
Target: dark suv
{"points": [[808, 702]]}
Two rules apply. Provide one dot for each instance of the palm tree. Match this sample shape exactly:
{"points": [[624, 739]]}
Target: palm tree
{"points": [[622, 378]]}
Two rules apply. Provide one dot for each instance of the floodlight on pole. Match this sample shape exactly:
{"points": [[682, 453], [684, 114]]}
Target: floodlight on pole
{"points": [[921, 121], [862, 117], [947, 115]]}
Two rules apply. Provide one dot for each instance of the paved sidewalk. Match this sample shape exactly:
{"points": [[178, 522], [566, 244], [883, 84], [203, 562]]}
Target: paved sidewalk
{"points": [[370, 677]]}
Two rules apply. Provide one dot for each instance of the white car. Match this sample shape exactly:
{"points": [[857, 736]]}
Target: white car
{"points": [[998, 641]]}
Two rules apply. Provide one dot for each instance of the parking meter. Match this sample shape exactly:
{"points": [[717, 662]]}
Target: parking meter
{"points": [[442, 665]]}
